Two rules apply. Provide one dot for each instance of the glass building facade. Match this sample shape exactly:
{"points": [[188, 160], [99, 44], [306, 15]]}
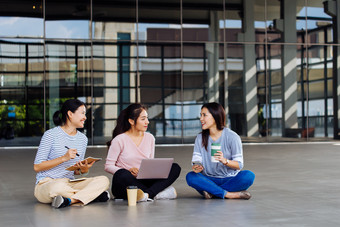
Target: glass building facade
{"points": [[271, 64]]}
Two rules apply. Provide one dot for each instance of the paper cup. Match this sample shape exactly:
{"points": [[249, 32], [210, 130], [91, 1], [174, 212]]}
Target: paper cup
{"points": [[132, 195], [214, 148]]}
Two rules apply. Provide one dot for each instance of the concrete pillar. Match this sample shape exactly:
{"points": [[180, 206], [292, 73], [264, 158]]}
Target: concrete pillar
{"points": [[289, 83], [213, 54], [249, 69], [332, 8]]}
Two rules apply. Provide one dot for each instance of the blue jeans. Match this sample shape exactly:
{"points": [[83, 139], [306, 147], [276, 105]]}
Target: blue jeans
{"points": [[220, 186]]}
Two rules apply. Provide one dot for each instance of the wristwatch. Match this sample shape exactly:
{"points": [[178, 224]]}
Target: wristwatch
{"points": [[227, 162]]}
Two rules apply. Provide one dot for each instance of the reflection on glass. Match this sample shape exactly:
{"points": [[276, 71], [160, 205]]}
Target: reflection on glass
{"points": [[269, 89], [24, 19], [160, 83], [21, 102], [195, 71], [67, 20], [319, 90], [166, 17], [67, 77], [114, 81], [260, 15], [317, 23], [113, 18], [104, 121], [67, 29], [172, 122], [232, 23], [21, 27], [83, 65], [201, 23], [172, 66], [234, 65]]}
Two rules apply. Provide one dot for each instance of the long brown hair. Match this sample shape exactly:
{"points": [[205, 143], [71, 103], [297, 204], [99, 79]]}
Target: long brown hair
{"points": [[131, 112], [218, 113]]}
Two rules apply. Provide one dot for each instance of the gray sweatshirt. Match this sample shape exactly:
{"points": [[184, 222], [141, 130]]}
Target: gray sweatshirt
{"points": [[231, 147]]}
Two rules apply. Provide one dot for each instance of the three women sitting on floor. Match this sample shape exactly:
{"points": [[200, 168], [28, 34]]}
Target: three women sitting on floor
{"points": [[64, 146]]}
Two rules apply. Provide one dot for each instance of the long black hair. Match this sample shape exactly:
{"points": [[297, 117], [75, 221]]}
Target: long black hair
{"points": [[131, 112], [61, 116], [218, 113]]}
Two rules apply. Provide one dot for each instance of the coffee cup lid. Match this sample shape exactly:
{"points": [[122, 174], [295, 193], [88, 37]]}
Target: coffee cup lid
{"points": [[132, 187]]}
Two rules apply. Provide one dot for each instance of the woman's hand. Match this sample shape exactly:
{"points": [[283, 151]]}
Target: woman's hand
{"points": [[197, 168], [229, 163], [134, 171], [84, 167], [219, 157], [49, 164], [70, 154]]}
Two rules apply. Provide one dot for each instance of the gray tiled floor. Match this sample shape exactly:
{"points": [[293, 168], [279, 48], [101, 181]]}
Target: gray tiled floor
{"points": [[296, 185]]}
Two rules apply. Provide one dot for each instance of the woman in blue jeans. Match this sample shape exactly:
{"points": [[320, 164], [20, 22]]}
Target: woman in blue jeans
{"points": [[222, 178]]}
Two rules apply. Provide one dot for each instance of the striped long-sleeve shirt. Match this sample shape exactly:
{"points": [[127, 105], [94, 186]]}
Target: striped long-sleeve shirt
{"points": [[52, 146]]}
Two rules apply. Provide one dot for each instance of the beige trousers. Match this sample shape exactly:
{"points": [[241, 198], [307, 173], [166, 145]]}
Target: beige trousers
{"points": [[85, 191]]}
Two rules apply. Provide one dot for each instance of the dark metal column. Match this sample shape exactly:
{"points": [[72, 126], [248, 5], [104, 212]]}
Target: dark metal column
{"points": [[325, 83], [26, 90], [332, 8], [120, 82], [163, 92]]}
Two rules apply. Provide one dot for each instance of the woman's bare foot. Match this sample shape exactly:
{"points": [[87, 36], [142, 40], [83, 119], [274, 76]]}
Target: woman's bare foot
{"points": [[238, 195]]}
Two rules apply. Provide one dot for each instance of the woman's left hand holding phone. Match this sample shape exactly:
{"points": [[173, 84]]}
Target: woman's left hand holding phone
{"points": [[197, 167]]}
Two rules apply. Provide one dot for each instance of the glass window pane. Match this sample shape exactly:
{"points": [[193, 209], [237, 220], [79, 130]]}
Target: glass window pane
{"points": [[111, 18], [65, 79], [115, 81], [104, 121], [67, 20], [21, 91], [159, 20], [232, 24], [23, 21], [166, 123], [195, 90], [319, 24], [202, 22], [282, 23]]}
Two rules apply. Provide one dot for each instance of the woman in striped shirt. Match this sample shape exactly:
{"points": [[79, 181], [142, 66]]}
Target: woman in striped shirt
{"points": [[61, 147]]}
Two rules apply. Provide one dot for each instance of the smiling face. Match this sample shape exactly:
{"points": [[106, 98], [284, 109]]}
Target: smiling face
{"points": [[207, 120], [78, 118], [141, 123]]}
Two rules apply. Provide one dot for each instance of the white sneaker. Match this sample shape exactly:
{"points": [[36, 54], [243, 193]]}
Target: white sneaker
{"points": [[168, 193], [142, 196]]}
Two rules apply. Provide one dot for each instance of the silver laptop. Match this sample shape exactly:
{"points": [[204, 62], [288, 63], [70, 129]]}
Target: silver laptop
{"points": [[156, 168]]}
